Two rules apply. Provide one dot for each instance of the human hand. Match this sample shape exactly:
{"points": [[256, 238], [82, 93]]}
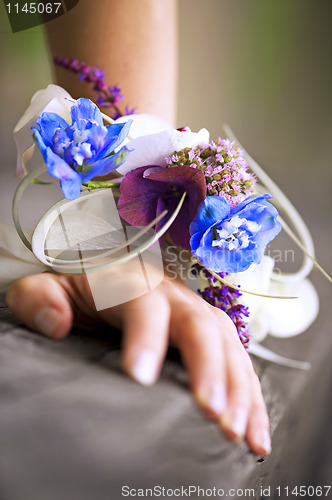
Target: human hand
{"points": [[221, 374]]}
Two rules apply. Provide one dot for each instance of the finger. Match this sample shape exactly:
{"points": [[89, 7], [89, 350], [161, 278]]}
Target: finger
{"points": [[41, 302], [196, 333], [145, 326], [234, 420], [258, 434]]}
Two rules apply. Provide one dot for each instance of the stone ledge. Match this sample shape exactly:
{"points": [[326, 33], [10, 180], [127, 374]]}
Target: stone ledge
{"points": [[72, 426]]}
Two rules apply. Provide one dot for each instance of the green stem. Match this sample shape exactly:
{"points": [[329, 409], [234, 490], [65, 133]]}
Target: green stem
{"points": [[100, 184], [42, 183]]}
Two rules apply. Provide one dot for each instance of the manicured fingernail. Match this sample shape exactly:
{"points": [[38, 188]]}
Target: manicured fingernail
{"points": [[235, 422], [212, 398], [47, 320], [265, 442], [145, 368]]}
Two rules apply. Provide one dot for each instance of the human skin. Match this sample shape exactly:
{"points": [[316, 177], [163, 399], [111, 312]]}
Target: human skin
{"points": [[135, 43]]}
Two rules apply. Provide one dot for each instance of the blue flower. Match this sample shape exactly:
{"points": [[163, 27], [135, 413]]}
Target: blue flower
{"points": [[78, 152], [230, 239]]}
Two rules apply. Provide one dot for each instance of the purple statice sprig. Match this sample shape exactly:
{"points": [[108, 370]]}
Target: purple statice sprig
{"points": [[226, 298], [224, 166], [107, 96]]}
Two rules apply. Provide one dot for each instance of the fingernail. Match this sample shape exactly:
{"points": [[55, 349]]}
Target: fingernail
{"points": [[212, 398], [265, 442], [235, 422], [47, 320], [145, 368]]}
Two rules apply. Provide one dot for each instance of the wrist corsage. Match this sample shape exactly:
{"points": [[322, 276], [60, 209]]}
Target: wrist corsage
{"points": [[207, 202]]}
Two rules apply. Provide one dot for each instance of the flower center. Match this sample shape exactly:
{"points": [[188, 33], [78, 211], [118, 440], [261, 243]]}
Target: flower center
{"points": [[77, 144], [234, 233]]}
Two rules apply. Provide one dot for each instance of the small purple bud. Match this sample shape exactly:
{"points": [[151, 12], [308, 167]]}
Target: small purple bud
{"points": [[99, 85], [129, 111], [85, 69], [75, 65], [98, 74]]}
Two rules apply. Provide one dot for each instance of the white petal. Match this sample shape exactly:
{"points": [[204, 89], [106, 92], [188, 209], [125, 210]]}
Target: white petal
{"points": [[255, 279], [259, 325], [144, 124], [290, 317], [154, 139], [52, 99], [40, 100]]}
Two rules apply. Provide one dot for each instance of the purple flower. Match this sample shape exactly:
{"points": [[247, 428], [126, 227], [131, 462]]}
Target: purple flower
{"points": [[226, 298], [108, 96], [144, 197], [78, 152], [230, 239]]}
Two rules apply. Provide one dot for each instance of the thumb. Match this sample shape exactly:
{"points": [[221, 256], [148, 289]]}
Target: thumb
{"points": [[42, 303]]}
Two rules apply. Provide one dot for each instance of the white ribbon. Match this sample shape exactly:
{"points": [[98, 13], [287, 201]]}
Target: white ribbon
{"points": [[16, 261]]}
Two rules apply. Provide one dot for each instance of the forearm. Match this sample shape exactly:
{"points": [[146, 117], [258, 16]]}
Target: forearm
{"points": [[133, 41]]}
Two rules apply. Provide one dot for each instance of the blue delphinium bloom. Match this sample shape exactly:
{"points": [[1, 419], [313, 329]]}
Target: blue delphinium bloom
{"points": [[230, 239], [78, 152]]}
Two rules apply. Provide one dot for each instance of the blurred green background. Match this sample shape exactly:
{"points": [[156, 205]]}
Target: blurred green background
{"points": [[265, 68]]}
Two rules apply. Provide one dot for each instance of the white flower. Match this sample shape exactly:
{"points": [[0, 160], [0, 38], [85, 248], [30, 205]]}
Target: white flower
{"points": [[153, 140], [53, 99], [277, 317], [286, 317]]}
